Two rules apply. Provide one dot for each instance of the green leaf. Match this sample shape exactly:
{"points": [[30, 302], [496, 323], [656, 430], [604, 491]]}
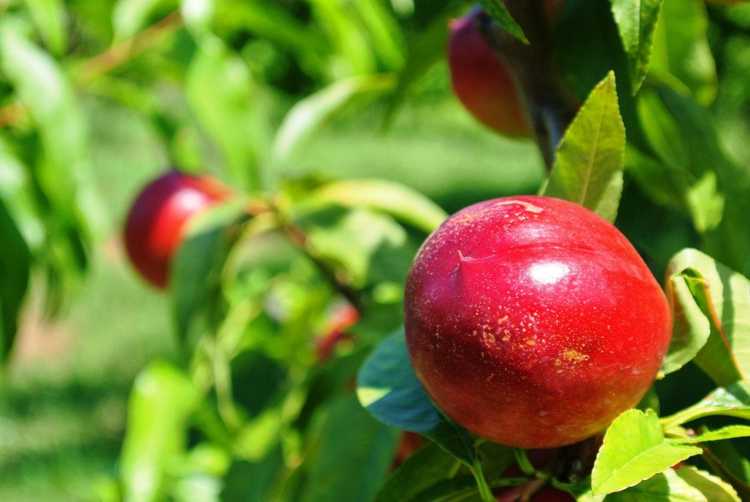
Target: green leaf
{"points": [[713, 487], [229, 108], [731, 401], [636, 22], [728, 432], [15, 269], [591, 156], [398, 200], [418, 473], [384, 31], [425, 46], [635, 449], [388, 387], [723, 296], [64, 167], [161, 402], [129, 16], [499, 13], [664, 487], [353, 54], [310, 113], [728, 462], [681, 50], [352, 454], [691, 329], [50, 19], [196, 270]]}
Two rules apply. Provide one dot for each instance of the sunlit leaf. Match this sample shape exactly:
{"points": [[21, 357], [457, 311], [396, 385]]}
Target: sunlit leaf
{"points": [[636, 21]]}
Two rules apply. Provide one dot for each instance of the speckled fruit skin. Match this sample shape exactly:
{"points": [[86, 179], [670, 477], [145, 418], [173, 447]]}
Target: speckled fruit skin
{"points": [[157, 219], [482, 81], [533, 322]]}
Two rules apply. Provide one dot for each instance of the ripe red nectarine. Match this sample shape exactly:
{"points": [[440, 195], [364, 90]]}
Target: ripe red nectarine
{"points": [[157, 219], [533, 322]]}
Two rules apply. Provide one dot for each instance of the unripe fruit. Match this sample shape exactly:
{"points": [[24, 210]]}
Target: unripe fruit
{"points": [[482, 80], [157, 220], [533, 322]]}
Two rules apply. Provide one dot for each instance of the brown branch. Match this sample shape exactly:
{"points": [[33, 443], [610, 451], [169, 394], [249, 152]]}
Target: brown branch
{"points": [[123, 51], [98, 65]]}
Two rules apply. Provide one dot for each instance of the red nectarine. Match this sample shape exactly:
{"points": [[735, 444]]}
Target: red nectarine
{"points": [[156, 221], [533, 322], [482, 80]]}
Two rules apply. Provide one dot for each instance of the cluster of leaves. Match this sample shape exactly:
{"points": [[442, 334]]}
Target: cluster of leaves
{"points": [[252, 413]]}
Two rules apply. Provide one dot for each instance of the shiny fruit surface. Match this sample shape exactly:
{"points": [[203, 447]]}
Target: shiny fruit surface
{"points": [[533, 322], [157, 219]]}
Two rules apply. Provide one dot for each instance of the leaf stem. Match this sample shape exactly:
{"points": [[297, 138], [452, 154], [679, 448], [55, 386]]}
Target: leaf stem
{"points": [[485, 492]]}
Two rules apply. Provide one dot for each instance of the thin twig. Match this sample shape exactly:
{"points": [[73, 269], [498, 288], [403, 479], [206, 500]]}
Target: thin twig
{"points": [[98, 65]]}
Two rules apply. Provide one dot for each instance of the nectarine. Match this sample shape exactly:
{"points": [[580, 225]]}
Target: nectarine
{"points": [[156, 221], [533, 322]]}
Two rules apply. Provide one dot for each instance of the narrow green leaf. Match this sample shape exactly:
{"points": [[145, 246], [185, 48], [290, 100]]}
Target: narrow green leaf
{"points": [[353, 53], [728, 432], [50, 20], [229, 107], [591, 156], [731, 401], [634, 450], [681, 50], [499, 12], [724, 299], [159, 409], [395, 199], [384, 31], [713, 487], [15, 269], [309, 114], [663, 487], [636, 22]]}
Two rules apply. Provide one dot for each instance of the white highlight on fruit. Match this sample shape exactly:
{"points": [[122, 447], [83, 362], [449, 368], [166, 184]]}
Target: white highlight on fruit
{"points": [[549, 272]]}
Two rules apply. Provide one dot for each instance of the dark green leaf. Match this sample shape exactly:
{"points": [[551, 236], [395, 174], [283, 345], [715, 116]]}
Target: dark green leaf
{"points": [[352, 454], [590, 158], [388, 387], [499, 12], [636, 22], [15, 269], [419, 472]]}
